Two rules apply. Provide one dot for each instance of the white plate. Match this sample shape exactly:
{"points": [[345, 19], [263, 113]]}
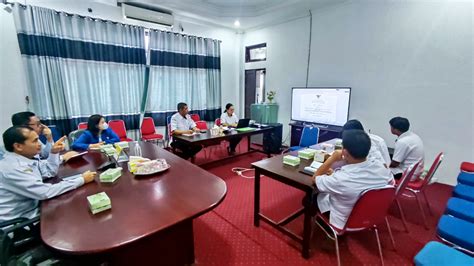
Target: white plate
{"points": [[155, 172]]}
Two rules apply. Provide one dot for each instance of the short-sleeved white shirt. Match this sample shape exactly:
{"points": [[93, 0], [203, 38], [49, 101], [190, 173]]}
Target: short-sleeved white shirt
{"points": [[339, 192], [379, 150], [408, 151], [178, 122], [229, 120]]}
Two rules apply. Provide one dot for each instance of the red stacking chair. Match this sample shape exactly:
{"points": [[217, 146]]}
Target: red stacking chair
{"points": [[418, 186], [467, 167], [82, 125], [202, 125], [401, 186], [370, 210], [195, 117], [148, 131], [118, 126]]}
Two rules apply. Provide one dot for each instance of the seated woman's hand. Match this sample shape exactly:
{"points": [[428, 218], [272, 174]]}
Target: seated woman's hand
{"points": [[96, 145]]}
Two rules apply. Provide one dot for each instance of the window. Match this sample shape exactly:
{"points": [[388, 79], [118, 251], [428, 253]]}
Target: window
{"points": [[256, 53]]}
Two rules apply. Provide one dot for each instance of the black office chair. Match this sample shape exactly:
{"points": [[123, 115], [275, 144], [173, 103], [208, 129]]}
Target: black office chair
{"points": [[20, 242]]}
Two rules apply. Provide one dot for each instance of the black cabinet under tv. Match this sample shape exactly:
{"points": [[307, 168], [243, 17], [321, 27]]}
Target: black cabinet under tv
{"points": [[326, 132]]}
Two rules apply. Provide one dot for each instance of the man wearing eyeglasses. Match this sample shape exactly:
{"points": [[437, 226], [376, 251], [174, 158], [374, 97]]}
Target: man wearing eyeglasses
{"points": [[29, 119]]}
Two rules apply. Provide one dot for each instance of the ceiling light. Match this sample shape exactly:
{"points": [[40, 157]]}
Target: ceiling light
{"points": [[236, 23]]}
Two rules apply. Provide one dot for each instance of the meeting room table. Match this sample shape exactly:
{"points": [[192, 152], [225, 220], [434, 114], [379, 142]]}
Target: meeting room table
{"points": [[151, 219]]}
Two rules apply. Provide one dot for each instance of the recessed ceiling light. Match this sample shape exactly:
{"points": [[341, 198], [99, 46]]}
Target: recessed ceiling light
{"points": [[237, 23]]}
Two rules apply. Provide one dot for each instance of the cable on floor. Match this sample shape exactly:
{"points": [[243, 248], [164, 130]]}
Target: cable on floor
{"points": [[241, 170]]}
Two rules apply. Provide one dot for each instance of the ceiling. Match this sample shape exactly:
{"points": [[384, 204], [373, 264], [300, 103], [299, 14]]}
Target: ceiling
{"points": [[251, 14]]}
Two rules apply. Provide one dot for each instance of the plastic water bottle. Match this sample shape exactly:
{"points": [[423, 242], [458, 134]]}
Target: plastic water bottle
{"points": [[137, 149]]}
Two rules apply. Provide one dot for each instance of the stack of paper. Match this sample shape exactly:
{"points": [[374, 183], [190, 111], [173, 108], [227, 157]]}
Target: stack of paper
{"points": [[312, 168], [99, 202], [307, 154], [110, 175], [291, 160]]}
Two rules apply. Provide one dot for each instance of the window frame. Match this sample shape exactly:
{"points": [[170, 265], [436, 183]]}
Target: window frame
{"points": [[251, 47]]}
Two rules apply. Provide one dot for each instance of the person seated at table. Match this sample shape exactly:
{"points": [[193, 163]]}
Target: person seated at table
{"points": [[22, 174], [229, 118], [408, 148], [97, 134], [181, 123], [340, 189], [378, 147], [29, 119]]}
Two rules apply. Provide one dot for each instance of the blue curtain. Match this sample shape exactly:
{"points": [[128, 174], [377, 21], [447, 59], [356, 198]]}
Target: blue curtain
{"points": [[78, 66], [183, 69]]}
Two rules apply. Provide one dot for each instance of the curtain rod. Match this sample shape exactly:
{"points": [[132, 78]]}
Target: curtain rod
{"points": [[111, 21]]}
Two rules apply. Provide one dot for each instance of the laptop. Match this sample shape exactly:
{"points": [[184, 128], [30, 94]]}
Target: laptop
{"points": [[243, 123]]}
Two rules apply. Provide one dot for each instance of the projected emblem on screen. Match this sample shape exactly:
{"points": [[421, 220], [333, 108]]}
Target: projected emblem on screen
{"points": [[321, 105]]}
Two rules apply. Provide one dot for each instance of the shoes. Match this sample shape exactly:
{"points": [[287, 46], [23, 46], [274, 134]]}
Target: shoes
{"points": [[230, 152]]}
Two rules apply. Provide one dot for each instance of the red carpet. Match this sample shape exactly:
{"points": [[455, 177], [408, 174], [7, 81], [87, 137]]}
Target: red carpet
{"points": [[226, 235]]}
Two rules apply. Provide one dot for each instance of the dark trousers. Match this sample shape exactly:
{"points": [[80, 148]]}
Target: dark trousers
{"points": [[186, 150], [233, 142], [398, 176]]}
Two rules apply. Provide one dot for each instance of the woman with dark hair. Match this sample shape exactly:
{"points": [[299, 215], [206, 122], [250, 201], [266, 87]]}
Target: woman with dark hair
{"points": [[228, 118], [97, 134]]}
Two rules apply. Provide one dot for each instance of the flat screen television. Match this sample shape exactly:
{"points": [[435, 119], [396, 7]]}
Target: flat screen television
{"points": [[321, 105]]}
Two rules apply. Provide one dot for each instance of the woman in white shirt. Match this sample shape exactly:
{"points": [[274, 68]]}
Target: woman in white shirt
{"points": [[228, 118]]}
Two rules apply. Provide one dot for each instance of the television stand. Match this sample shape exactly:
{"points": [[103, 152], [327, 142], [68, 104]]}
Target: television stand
{"points": [[326, 132]]}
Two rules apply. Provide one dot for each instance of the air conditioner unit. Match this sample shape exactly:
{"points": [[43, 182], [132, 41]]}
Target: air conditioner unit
{"points": [[148, 15]]}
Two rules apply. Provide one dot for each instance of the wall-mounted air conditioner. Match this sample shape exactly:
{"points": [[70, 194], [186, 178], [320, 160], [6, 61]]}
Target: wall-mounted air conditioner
{"points": [[148, 15]]}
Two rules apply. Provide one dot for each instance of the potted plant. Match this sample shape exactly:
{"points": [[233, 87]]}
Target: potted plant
{"points": [[271, 96]]}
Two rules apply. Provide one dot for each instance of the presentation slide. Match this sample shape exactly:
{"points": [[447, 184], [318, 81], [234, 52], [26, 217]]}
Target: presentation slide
{"points": [[321, 105]]}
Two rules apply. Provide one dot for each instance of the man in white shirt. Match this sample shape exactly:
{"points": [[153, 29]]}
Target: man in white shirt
{"points": [[181, 123], [340, 189], [29, 119], [22, 174], [378, 147], [408, 148]]}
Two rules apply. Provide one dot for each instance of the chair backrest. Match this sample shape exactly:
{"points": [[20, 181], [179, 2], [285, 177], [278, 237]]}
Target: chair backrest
{"points": [[433, 169], [82, 125], [148, 126], [218, 122], [406, 177], [118, 126], [309, 136], [195, 117], [74, 135], [201, 125], [371, 208]]}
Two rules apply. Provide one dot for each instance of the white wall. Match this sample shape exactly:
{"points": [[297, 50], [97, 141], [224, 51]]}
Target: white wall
{"points": [[14, 77], [12, 83], [412, 59]]}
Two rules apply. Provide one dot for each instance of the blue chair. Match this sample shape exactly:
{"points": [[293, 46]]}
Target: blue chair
{"points": [[54, 132], [457, 232], [309, 137], [464, 192], [466, 178], [435, 253], [460, 208]]}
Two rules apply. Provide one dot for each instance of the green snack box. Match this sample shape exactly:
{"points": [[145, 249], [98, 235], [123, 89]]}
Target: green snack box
{"points": [[109, 150], [291, 160], [122, 144], [99, 202], [110, 175], [307, 154]]}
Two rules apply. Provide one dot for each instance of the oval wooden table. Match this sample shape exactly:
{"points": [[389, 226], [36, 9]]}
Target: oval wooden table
{"points": [[151, 217]]}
